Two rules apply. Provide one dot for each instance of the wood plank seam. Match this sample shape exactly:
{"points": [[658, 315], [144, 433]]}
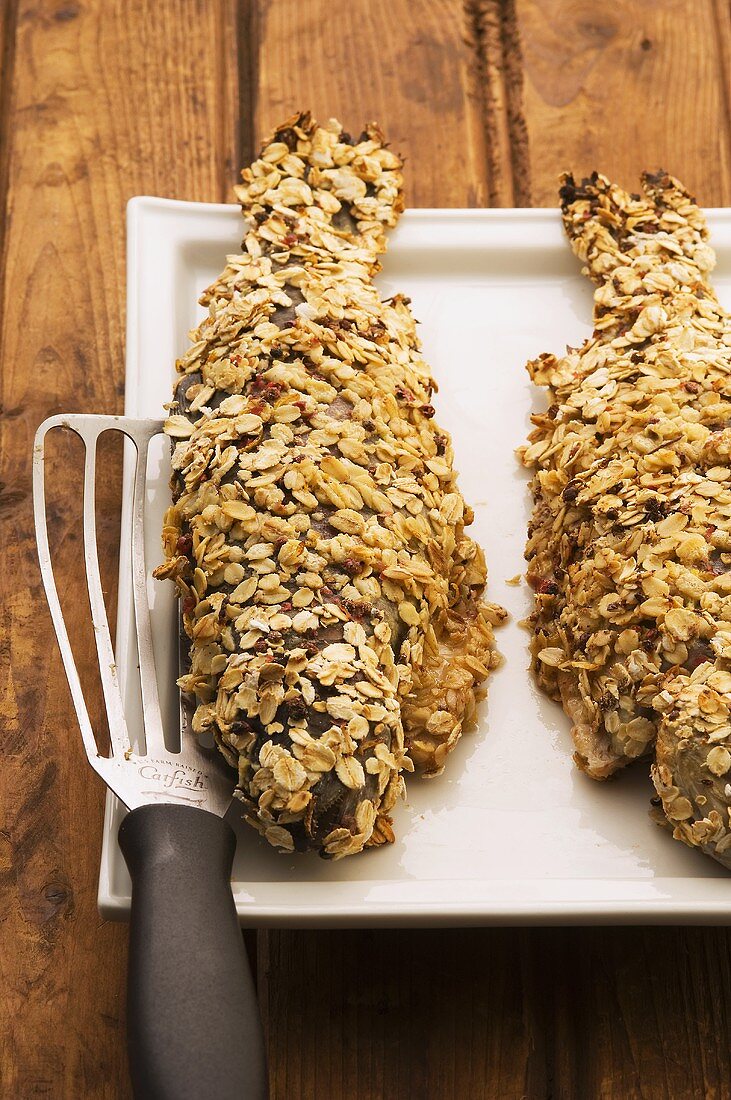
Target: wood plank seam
{"points": [[247, 49], [8, 25], [226, 80], [512, 60], [721, 12], [494, 37]]}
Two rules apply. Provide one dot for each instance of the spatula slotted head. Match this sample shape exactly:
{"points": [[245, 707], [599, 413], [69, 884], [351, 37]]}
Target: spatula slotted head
{"points": [[193, 774]]}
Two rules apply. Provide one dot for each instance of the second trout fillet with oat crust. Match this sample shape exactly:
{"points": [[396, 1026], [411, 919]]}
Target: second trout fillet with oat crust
{"points": [[317, 536], [630, 541]]}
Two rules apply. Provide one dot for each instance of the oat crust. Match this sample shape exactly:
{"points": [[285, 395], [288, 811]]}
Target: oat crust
{"points": [[630, 541], [317, 536]]}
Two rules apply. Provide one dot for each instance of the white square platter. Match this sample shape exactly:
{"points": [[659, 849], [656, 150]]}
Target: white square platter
{"points": [[511, 832]]}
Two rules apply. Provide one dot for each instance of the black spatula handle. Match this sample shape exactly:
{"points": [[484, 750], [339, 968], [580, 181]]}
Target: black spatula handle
{"points": [[193, 1020]]}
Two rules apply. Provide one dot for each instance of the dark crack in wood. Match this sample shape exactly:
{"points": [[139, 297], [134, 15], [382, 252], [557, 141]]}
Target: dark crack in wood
{"points": [[248, 38], [493, 35], [8, 25]]}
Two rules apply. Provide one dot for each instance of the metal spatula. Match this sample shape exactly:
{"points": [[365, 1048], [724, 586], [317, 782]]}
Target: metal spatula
{"points": [[193, 1021]]}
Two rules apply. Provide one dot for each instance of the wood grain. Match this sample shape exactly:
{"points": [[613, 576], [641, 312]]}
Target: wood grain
{"points": [[381, 1015], [636, 1013], [105, 100], [627, 86], [407, 64], [567, 1014]]}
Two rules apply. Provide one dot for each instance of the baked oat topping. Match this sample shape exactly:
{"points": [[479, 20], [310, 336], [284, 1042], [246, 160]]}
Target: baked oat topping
{"points": [[317, 535], [630, 541]]}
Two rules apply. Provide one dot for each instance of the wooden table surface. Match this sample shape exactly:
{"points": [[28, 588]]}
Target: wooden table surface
{"points": [[488, 100]]}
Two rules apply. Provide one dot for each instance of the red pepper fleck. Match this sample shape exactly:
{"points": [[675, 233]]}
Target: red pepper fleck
{"points": [[356, 608], [273, 391]]}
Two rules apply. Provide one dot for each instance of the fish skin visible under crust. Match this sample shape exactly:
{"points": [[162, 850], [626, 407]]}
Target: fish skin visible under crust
{"points": [[317, 534], [630, 540]]}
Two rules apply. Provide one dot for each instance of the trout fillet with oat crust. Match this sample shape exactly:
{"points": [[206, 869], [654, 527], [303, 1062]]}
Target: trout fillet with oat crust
{"points": [[317, 536], [630, 541]]}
